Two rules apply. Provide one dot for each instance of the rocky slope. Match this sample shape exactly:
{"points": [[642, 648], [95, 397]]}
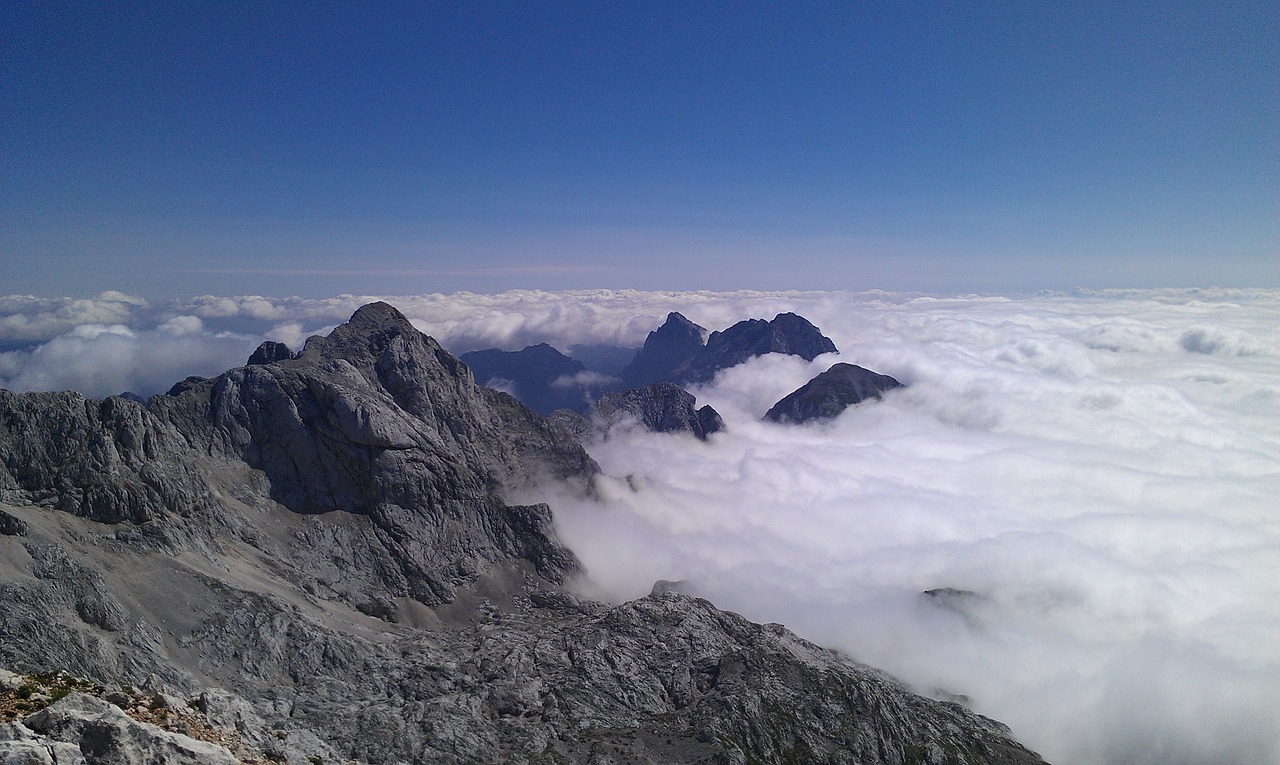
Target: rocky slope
{"points": [[830, 393], [318, 548]]}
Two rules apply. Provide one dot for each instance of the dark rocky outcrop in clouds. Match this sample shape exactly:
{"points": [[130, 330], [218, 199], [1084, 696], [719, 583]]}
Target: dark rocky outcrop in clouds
{"points": [[660, 408], [326, 539], [666, 350], [830, 393], [675, 352]]}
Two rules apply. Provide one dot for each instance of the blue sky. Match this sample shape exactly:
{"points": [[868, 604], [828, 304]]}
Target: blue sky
{"points": [[172, 149]]}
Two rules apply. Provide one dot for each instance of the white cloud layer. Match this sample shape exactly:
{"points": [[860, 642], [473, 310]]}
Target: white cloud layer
{"points": [[1100, 468], [1105, 485]]}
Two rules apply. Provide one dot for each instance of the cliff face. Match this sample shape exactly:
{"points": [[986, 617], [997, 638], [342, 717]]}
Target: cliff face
{"points": [[326, 536]]}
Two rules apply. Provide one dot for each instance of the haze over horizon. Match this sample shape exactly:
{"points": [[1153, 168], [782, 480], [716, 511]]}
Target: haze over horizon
{"points": [[189, 148]]}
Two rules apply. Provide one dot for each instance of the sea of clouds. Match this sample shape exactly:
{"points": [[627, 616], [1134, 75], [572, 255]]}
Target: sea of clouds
{"points": [[1093, 475]]}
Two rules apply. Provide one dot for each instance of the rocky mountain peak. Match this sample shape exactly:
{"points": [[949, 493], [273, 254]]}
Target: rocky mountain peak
{"points": [[366, 335], [786, 333], [660, 407], [270, 352], [830, 393], [665, 350]]}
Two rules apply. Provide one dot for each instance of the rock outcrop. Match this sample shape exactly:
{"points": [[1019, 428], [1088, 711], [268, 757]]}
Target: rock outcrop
{"points": [[101, 732], [787, 333], [661, 407], [270, 352], [319, 550], [830, 393]]}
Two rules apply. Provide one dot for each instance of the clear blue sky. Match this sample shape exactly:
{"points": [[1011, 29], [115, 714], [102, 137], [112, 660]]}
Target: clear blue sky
{"points": [[177, 148]]}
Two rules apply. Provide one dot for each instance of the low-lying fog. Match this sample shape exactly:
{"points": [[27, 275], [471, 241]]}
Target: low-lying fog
{"points": [[1096, 475]]}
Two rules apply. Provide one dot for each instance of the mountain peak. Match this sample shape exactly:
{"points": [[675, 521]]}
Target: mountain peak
{"points": [[366, 333], [377, 315], [830, 393], [665, 350]]}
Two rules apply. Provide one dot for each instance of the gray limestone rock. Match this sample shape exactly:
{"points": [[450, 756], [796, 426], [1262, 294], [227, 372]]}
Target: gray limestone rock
{"points": [[107, 460], [661, 407], [377, 420], [270, 352]]}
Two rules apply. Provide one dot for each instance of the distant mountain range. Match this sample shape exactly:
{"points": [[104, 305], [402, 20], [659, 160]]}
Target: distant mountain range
{"points": [[678, 352]]}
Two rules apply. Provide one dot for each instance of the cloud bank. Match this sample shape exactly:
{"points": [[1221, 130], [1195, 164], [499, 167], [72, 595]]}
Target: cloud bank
{"points": [[1104, 487], [1097, 469]]}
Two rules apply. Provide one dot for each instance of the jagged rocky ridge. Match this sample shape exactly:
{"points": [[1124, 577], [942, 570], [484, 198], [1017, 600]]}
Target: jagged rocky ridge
{"points": [[660, 407], [320, 546], [675, 352]]}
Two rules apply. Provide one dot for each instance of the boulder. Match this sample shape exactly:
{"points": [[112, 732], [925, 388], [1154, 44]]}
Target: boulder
{"points": [[105, 735]]}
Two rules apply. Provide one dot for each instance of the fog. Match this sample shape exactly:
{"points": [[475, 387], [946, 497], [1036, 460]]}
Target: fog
{"points": [[1095, 472]]}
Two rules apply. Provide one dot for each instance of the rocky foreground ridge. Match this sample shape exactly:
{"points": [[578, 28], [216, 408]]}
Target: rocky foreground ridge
{"points": [[317, 547]]}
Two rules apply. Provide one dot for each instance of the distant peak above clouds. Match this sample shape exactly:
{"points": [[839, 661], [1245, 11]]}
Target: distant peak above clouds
{"points": [[676, 351]]}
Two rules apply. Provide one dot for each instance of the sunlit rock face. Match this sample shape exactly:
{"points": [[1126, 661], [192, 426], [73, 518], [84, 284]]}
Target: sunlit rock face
{"points": [[661, 408], [327, 538]]}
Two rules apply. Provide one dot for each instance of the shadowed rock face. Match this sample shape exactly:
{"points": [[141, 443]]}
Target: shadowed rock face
{"points": [[666, 350], [375, 420], [830, 393], [662, 408], [107, 460], [326, 536], [787, 333], [675, 352]]}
